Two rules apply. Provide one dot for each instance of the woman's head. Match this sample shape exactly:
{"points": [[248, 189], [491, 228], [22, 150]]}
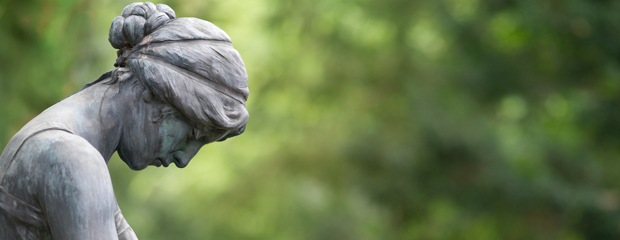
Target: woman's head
{"points": [[187, 63]]}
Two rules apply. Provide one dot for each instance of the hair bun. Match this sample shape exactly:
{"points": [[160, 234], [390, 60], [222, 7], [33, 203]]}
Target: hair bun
{"points": [[156, 21], [165, 9], [136, 21]]}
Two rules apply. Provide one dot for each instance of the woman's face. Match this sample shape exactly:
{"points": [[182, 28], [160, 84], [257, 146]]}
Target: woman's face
{"points": [[160, 143]]}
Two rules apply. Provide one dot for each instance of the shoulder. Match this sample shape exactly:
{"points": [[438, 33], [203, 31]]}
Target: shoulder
{"points": [[74, 187], [47, 155], [63, 159], [63, 148]]}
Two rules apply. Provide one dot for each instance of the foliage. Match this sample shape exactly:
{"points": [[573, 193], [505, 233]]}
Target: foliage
{"points": [[396, 119]]}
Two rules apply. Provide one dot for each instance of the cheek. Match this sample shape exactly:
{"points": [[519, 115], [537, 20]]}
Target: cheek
{"points": [[140, 142], [148, 139], [172, 133]]}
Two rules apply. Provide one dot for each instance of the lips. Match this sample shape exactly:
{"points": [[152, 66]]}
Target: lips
{"points": [[164, 163], [156, 163], [160, 162]]}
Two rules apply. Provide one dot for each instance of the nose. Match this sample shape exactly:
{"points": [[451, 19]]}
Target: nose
{"points": [[182, 158]]}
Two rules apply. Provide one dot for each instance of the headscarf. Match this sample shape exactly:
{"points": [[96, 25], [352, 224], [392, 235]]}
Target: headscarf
{"points": [[188, 63]]}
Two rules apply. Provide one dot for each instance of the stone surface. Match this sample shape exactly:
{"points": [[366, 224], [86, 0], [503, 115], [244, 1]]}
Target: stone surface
{"points": [[178, 85]]}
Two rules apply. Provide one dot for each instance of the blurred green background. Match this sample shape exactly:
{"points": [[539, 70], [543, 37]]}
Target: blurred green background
{"points": [[393, 119]]}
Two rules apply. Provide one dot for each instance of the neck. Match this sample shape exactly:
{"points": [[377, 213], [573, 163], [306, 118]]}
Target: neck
{"points": [[95, 114]]}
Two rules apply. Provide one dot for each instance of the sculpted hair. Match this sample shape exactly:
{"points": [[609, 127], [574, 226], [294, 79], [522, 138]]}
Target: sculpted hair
{"points": [[188, 63]]}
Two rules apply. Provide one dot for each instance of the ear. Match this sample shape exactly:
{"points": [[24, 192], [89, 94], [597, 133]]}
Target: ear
{"points": [[147, 96]]}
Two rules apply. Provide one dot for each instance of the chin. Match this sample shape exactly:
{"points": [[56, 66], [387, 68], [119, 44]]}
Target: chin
{"points": [[137, 164], [131, 163], [137, 167]]}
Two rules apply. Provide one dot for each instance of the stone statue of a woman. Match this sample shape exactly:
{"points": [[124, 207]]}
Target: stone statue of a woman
{"points": [[178, 84]]}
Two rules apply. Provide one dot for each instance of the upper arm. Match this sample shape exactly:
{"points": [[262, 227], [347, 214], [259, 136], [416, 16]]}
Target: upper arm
{"points": [[76, 191]]}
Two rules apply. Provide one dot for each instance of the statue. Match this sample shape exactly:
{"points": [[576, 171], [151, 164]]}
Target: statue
{"points": [[177, 85]]}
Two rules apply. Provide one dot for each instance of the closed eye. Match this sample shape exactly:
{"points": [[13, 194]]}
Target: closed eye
{"points": [[194, 134]]}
